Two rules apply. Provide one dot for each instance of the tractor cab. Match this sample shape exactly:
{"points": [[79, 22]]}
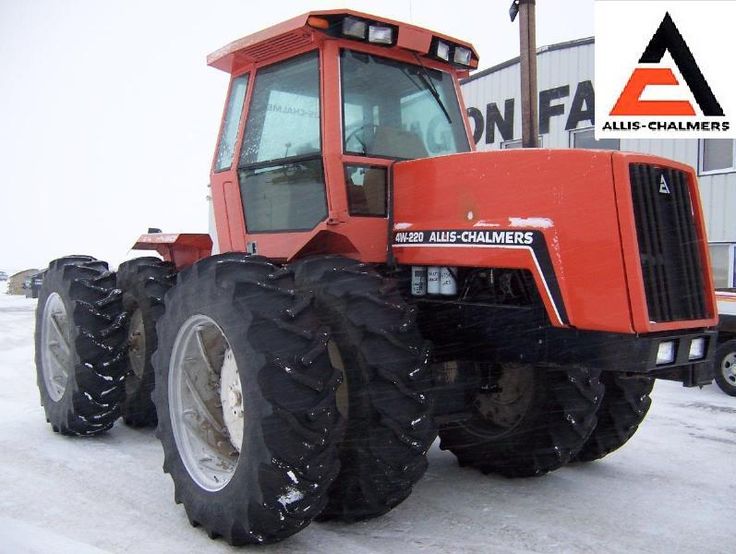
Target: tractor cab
{"points": [[319, 108]]}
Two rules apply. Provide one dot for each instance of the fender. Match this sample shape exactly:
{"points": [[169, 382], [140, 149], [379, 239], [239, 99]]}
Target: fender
{"points": [[182, 249]]}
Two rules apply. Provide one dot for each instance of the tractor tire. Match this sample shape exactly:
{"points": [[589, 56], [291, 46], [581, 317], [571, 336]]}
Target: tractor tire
{"points": [[625, 403], [80, 346], [376, 343], [245, 395], [144, 282], [532, 421], [725, 367]]}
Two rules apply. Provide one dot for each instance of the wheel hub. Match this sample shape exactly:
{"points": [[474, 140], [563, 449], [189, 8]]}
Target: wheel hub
{"points": [[231, 396], [728, 368]]}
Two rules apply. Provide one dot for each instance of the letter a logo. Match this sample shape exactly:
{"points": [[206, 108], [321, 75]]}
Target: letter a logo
{"points": [[667, 37], [663, 187]]}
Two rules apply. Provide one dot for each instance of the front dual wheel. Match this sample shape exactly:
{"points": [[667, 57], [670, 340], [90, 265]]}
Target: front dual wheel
{"points": [[246, 399]]}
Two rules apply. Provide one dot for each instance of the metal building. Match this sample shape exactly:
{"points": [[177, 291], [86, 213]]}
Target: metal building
{"points": [[566, 117]]}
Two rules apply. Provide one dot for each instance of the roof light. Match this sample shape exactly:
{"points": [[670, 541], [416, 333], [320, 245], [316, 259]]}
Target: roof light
{"points": [[462, 55], [443, 51], [354, 27], [318, 22], [380, 35]]}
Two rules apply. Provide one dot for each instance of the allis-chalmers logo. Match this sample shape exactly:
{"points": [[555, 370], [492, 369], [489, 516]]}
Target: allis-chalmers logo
{"points": [[664, 95], [667, 37]]}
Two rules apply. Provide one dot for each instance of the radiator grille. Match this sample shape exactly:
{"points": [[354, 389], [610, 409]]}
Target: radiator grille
{"points": [[669, 250]]}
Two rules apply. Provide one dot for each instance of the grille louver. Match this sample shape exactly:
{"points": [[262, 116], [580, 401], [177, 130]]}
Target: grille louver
{"points": [[669, 250]]}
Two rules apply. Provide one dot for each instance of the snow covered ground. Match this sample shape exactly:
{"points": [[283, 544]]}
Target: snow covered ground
{"points": [[671, 489]]}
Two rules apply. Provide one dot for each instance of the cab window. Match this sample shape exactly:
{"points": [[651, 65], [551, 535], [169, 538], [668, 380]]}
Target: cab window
{"points": [[280, 170]]}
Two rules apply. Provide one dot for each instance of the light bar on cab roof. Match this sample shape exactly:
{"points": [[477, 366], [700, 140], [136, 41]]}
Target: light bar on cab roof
{"points": [[380, 33]]}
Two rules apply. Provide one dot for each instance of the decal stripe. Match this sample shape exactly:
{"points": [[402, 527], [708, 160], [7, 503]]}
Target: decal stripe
{"points": [[561, 318]]}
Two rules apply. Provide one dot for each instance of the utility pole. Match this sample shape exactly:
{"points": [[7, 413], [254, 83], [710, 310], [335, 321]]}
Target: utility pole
{"points": [[526, 9]]}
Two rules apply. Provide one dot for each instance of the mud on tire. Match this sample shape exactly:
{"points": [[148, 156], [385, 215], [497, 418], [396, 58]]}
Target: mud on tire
{"points": [[625, 403], [80, 339], [248, 312], [385, 361], [144, 282], [557, 416]]}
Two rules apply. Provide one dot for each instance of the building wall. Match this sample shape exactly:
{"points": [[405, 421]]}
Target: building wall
{"points": [[566, 101], [15, 282]]}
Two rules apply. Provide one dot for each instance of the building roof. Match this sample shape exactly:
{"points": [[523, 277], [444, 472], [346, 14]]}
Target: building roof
{"points": [[542, 49]]}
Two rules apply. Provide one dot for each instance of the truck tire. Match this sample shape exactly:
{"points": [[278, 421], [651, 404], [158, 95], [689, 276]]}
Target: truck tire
{"points": [[245, 396], [532, 421], [625, 403], [384, 360], [144, 282], [80, 342], [725, 369]]}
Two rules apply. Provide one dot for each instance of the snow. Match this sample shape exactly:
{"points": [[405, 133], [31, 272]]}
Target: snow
{"points": [[671, 489]]}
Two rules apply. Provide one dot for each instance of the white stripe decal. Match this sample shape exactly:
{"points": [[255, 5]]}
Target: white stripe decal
{"points": [[529, 248]]}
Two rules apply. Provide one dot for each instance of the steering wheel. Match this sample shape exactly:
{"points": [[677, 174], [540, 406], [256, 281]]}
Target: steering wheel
{"points": [[360, 135]]}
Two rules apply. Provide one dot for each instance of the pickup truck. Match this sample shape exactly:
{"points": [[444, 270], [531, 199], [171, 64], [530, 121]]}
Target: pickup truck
{"points": [[725, 362]]}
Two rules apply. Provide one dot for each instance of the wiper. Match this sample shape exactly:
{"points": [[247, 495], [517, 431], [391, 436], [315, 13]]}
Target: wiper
{"points": [[427, 80]]}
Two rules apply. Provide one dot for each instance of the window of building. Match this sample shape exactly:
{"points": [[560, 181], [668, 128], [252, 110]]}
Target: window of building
{"points": [[281, 176], [585, 138], [233, 111], [722, 265], [511, 144], [717, 156]]}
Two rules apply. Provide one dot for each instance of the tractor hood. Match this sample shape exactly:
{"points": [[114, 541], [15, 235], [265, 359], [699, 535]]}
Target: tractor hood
{"points": [[567, 216]]}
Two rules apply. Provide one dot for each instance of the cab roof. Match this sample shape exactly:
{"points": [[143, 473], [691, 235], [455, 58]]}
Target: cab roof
{"points": [[298, 33]]}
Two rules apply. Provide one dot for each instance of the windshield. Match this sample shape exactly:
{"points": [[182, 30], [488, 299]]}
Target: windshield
{"points": [[398, 110]]}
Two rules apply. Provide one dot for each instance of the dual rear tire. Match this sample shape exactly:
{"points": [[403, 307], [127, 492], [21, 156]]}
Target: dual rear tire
{"points": [[80, 346]]}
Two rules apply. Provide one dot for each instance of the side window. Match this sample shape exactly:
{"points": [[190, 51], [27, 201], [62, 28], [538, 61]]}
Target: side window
{"points": [[281, 174], [284, 114], [366, 190], [233, 111]]}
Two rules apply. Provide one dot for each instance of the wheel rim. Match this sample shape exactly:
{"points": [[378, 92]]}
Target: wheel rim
{"points": [[728, 368], [342, 395], [136, 352], [206, 406], [501, 407], [56, 351]]}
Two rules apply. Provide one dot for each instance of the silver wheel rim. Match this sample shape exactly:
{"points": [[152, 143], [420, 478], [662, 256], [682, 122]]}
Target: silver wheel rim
{"points": [[207, 412], [728, 368], [56, 351], [506, 403], [342, 396], [136, 351]]}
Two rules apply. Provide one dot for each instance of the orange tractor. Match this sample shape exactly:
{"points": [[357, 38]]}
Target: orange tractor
{"points": [[372, 282]]}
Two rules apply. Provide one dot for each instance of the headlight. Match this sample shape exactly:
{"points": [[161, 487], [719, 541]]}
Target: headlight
{"points": [[380, 35], [462, 55], [697, 349], [666, 352]]}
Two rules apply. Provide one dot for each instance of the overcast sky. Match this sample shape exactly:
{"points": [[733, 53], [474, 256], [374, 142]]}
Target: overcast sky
{"points": [[109, 114]]}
